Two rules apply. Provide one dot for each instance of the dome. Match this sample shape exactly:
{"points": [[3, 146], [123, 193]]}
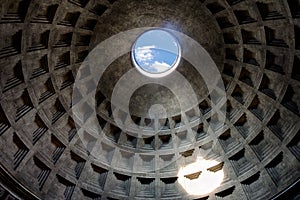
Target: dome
{"points": [[140, 99]]}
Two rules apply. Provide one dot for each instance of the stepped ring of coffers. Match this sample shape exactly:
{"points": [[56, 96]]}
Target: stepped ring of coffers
{"points": [[114, 47]]}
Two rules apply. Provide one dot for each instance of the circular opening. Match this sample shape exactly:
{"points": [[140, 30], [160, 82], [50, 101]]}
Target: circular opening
{"points": [[156, 53]]}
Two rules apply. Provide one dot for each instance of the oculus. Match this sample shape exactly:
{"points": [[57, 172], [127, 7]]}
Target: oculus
{"points": [[156, 53]]}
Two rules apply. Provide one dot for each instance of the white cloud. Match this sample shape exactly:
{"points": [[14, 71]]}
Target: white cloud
{"points": [[175, 44], [144, 53], [160, 66]]}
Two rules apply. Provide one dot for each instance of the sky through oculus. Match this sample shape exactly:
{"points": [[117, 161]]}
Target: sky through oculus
{"points": [[156, 53]]}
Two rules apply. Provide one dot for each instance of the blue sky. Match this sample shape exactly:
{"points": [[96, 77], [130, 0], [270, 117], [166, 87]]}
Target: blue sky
{"points": [[156, 51]]}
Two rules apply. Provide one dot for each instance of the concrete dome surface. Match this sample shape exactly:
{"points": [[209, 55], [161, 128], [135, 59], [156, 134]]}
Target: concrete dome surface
{"points": [[78, 121]]}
